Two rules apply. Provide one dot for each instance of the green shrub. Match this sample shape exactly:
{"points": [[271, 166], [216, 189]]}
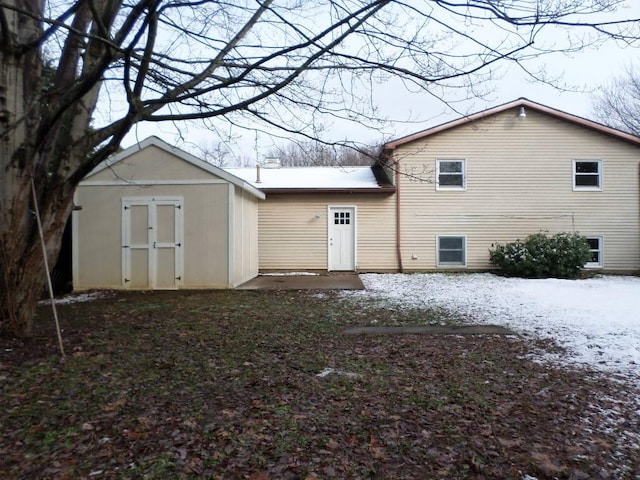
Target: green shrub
{"points": [[540, 256]]}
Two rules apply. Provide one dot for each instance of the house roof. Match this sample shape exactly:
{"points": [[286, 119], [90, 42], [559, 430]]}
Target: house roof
{"points": [[521, 102], [187, 157], [314, 179]]}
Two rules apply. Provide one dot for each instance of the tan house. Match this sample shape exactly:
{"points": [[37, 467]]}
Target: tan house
{"points": [[511, 171], [449, 193], [324, 218], [156, 217]]}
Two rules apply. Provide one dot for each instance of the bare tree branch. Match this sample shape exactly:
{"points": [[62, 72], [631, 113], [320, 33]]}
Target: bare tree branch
{"points": [[618, 103]]}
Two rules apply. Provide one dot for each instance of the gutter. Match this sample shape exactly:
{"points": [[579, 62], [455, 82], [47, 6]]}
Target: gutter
{"points": [[396, 164], [349, 191]]}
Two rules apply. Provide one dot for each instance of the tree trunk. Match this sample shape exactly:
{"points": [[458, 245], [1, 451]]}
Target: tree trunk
{"points": [[19, 294], [21, 256], [24, 156]]}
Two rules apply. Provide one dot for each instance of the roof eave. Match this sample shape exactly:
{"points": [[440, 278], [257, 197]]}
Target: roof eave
{"points": [[376, 190], [521, 102], [186, 156]]}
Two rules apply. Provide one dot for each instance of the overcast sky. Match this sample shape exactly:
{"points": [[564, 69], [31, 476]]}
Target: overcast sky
{"points": [[582, 72]]}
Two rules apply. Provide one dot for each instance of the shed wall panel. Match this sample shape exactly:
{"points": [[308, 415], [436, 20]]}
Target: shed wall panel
{"points": [[246, 237], [99, 226]]}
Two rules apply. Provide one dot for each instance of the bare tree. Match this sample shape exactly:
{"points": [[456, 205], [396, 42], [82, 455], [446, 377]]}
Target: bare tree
{"points": [[618, 103], [277, 65], [310, 153], [217, 153]]}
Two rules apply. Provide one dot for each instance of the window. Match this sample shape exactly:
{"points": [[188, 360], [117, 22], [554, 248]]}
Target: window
{"points": [[595, 244], [587, 175], [450, 175], [451, 251], [342, 218]]}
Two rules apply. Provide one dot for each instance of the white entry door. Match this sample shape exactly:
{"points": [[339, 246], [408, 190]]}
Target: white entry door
{"points": [[152, 243], [342, 238]]}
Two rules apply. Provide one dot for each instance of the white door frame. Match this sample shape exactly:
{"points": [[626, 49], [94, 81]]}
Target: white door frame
{"points": [[152, 203], [354, 225]]}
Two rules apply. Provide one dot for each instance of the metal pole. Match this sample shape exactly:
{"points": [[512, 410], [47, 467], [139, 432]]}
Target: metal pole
{"points": [[46, 266]]}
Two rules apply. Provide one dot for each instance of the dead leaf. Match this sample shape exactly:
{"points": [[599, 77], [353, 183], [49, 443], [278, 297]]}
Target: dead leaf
{"points": [[263, 475], [332, 444]]}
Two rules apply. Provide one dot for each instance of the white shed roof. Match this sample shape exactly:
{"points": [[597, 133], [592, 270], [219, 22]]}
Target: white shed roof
{"points": [[312, 178]]}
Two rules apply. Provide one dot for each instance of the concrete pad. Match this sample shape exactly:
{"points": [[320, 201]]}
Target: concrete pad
{"points": [[350, 281], [433, 330]]}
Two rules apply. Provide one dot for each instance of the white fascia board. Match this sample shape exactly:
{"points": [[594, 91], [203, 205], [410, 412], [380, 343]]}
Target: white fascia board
{"points": [[186, 156]]}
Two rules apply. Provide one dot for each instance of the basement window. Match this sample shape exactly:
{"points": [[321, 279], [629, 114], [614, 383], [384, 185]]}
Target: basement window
{"points": [[595, 245]]}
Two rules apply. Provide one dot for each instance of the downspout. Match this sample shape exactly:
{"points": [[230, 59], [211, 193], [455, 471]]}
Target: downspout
{"points": [[398, 222]]}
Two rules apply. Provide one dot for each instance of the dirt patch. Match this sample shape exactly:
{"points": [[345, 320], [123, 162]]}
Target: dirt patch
{"points": [[305, 282], [432, 330]]}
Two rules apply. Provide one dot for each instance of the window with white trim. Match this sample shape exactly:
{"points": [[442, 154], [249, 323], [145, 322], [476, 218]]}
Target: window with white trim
{"points": [[595, 245], [587, 174], [451, 251], [450, 175]]}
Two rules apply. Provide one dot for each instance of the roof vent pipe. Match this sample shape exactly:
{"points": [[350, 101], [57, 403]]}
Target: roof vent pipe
{"points": [[523, 113], [257, 173]]}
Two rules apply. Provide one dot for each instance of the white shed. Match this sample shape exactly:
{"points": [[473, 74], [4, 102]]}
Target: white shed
{"points": [[156, 217]]}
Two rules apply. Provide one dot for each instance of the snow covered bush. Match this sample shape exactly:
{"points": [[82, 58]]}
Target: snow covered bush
{"points": [[539, 256]]}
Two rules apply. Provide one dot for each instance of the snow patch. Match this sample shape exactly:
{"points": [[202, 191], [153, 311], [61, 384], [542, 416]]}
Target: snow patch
{"points": [[82, 297], [332, 371], [595, 319]]}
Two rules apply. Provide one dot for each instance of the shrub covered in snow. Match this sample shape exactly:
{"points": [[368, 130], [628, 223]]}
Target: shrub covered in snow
{"points": [[541, 256]]}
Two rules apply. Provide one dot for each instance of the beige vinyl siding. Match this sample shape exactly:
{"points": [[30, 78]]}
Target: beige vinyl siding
{"points": [[293, 231], [519, 181], [99, 226]]}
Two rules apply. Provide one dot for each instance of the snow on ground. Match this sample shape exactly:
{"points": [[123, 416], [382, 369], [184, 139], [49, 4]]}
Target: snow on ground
{"points": [[596, 319], [81, 297]]}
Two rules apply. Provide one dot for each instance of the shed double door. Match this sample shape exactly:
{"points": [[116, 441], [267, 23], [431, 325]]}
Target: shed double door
{"points": [[152, 243]]}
